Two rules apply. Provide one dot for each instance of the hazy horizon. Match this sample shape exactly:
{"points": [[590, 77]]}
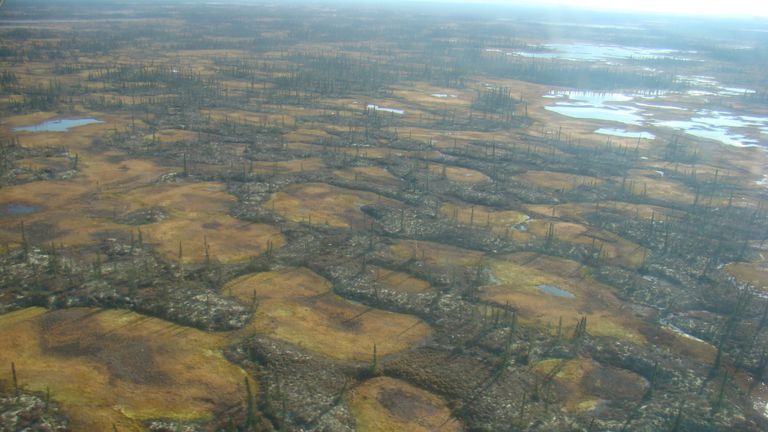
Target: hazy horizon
{"points": [[736, 8], [687, 7]]}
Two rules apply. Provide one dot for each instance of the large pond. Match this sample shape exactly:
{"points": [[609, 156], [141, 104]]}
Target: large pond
{"points": [[598, 52], [60, 125], [704, 85], [717, 126], [596, 106], [637, 111]]}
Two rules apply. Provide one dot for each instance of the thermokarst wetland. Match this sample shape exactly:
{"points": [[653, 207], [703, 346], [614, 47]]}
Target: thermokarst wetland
{"points": [[279, 216]]}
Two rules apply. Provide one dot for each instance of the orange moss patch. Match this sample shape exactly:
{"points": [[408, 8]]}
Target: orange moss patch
{"points": [[188, 200], [650, 183], [306, 135], [303, 147], [198, 214], [458, 174], [614, 248], [399, 282], [754, 273], [583, 383], [118, 367], [228, 239], [77, 210], [45, 163], [557, 180], [578, 211], [704, 173], [248, 117], [172, 135], [296, 305], [11, 122], [390, 405], [518, 278], [424, 94], [680, 343], [291, 166], [434, 254], [320, 203], [74, 210], [478, 215], [374, 153], [372, 173]]}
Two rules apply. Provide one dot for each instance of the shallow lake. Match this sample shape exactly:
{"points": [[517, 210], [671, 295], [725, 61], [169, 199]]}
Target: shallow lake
{"points": [[60, 125], [719, 126], [596, 52], [709, 86], [596, 106], [725, 127]]}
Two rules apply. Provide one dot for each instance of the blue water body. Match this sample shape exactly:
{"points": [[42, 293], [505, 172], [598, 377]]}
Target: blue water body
{"points": [[621, 114], [61, 125], [596, 106], [592, 52], [625, 133], [16, 209], [384, 109], [716, 127], [555, 291], [723, 126]]}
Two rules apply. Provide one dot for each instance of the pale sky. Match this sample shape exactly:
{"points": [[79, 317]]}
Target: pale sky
{"points": [[699, 7], [694, 7]]}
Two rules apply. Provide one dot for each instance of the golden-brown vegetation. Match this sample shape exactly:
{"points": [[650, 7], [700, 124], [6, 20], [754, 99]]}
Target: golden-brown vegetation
{"points": [[118, 367], [389, 405], [298, 306]]}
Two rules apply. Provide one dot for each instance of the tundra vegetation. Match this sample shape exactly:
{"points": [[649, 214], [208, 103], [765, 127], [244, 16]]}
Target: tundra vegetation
{"points": [[318, 217]]}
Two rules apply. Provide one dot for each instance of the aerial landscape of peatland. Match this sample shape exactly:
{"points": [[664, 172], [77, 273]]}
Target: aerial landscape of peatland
{"points": [[348, 215]]}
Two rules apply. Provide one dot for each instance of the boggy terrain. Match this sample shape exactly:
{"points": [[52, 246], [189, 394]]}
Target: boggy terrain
{"points": [[333, 218]]}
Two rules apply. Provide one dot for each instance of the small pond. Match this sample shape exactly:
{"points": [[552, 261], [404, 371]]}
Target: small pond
{"points": [[625, 133], [555, 291], [16, 209], [384, 109], [60, 125]]}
